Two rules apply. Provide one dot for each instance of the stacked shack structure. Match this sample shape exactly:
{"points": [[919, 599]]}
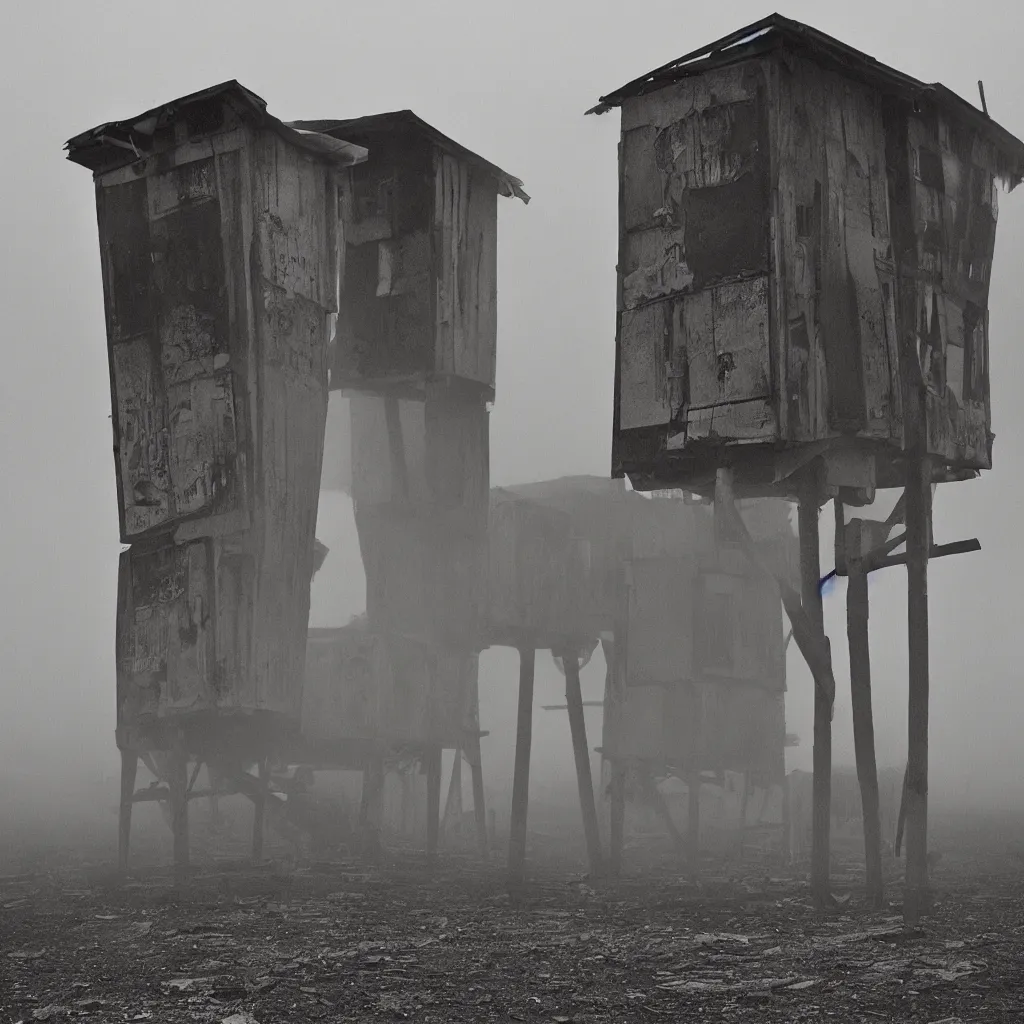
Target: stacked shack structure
{"points": [[691, 632], [805, 250], [415, 358], [220, 256]]}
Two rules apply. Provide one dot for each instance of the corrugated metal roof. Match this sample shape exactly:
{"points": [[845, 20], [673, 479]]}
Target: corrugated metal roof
{"points": [[134, 135], [774, 31], [364, 129]]}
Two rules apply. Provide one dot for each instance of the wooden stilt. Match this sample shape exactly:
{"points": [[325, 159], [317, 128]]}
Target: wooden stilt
{"points": [[521, 774], [433, 766], [259, 809], [918, 512], [661, 808], [693, 818], [860, 695], [129, 769], [581, 754], [453, 803], [810, 573], [617, 831], [178, 794], [479, 809]]}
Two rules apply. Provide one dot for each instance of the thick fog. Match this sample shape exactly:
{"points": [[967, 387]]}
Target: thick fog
{"points": [[511, 82]]}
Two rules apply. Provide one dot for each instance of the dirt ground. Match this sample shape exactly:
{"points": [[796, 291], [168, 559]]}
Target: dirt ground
{"points": [[339, 941]]}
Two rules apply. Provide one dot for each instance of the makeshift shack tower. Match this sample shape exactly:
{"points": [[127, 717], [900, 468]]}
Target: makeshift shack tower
{"points": [[220, 261], [805, 249], [415, 356], [699, 688]]}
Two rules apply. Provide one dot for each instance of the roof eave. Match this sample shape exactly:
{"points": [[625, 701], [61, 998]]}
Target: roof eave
{"points": [[508, 185]]}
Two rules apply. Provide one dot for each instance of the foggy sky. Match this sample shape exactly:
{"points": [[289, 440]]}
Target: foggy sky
{"points": [[510, 81]]}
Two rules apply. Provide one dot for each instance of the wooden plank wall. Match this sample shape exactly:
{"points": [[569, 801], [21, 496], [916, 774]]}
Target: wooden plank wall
{"points": [[219, 271], [955, 207], [466, 239], [835, 295], [364, 686], [386, 326], [693, 330]]}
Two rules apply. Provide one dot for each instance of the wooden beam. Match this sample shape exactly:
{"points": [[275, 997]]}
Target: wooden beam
{"points": [[959, 547], [453, 802], [565, 707], [129, 769], [919, 501], [810, 573], [521, 773], [479, 810], [860, 697], [581, 754]]}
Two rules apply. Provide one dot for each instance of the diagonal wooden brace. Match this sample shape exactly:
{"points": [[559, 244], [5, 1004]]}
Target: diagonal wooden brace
{"points": [[812, 642]]}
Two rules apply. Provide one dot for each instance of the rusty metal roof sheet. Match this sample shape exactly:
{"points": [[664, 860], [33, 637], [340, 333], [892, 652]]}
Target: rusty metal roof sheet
{"points": [[134, 136], [776, 31], [365, 129]]}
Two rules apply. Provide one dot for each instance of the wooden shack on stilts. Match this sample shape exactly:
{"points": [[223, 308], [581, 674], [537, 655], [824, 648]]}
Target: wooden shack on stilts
{"points": [[806, 241], [692, 639], [219, 250], [415, 357]]}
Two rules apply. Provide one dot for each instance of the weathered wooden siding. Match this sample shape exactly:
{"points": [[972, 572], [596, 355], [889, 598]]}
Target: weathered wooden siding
{"points": [[295, 202], [220, 273], [361, 686], [166, 633], [738, 728], [537, 574], [835, 276], [790, 236], [431, 456], [952, 181], [386, 327], [693, 332], [466, 241], [345, 681], [178, 333], [420, 270], [424, 580]]}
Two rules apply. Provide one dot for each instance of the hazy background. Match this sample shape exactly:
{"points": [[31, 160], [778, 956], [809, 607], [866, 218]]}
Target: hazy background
{"points": [[510, 81]]}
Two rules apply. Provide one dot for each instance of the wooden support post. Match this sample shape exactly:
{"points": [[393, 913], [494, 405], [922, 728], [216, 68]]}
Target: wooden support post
{"points": [[810, 574], [259, 808], [178, 798], [432, 760], [372, 806], [860, 696], [521, 774], [617, 830], [453, 804], [129, 769], [479, 809], [693, 818], [581, 754], [919, 501]]}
